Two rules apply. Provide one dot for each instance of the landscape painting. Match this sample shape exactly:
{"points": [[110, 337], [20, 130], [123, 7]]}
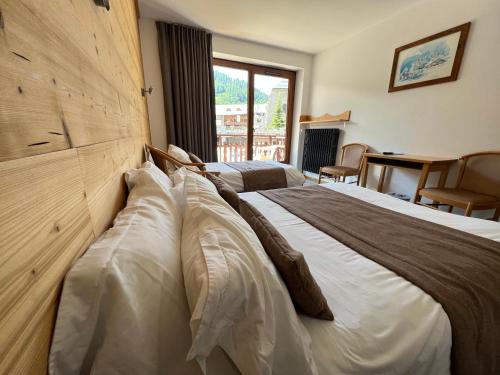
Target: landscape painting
{"points": [[432, 60]]}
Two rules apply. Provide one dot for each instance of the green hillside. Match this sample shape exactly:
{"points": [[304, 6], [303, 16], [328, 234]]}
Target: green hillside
{"points": [[234, 91]]}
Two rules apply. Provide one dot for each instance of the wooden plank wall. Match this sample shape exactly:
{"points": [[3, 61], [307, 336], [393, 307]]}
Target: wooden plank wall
{"points": [[72, 120]]}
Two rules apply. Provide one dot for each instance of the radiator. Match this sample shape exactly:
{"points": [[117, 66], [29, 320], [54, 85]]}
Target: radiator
{"points": [[320, 148]]}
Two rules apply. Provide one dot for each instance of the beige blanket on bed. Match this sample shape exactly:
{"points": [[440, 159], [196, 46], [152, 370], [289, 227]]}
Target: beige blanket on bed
{"points": [[260, 176], [459, 270]]}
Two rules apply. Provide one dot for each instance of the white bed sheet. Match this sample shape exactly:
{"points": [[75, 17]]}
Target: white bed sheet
{"points": [[233, 177], [383, 323]]}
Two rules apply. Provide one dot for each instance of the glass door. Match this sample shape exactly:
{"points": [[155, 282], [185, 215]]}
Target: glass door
{"points": [[231, 113], [270, 117], [254, 111]]}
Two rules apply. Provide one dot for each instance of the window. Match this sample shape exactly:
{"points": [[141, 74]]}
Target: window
{"points": [[263, 98]]}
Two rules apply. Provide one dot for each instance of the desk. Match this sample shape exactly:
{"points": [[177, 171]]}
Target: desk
{"points": [[424, 164]]}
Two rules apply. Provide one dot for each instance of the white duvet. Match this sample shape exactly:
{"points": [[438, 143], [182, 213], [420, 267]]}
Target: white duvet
{"points": [[233, 177], [383, 324]]}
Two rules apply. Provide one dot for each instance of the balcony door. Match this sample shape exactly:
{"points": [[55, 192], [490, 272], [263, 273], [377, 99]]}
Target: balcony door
{"points": [[254, 111]]}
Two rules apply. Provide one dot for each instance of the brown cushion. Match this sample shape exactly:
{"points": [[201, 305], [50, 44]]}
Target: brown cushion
{"points": [[226, 191], [291, 264], [196, 159]]}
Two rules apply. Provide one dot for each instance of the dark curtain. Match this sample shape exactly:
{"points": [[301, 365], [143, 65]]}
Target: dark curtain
{"points": [[188, 87]]}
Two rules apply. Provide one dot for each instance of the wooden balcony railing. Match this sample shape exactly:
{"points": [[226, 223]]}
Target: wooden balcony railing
{"points": [[233, 147]]}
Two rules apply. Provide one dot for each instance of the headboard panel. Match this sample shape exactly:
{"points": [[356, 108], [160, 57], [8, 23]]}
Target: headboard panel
{"points": [[72, 120]]}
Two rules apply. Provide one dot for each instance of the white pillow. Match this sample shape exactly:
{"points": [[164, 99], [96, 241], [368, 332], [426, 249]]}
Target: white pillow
{"points": [[138, 176], [123, 307], [236, 298], [180, 155]]}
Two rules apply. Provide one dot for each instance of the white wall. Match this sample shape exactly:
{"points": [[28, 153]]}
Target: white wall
{"points": [[448, 119], [229, 48], [152, 77]]}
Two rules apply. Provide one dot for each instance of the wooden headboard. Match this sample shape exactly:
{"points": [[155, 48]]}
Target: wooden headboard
{"points": [[72, 120]]}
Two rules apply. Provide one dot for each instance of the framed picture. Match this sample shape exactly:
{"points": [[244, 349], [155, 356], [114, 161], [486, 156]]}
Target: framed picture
{"points": [[428, 61]]}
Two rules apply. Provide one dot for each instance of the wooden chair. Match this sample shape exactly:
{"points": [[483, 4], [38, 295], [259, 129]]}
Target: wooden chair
{"points": [[350, 163], [160, 158], [474, 189]]}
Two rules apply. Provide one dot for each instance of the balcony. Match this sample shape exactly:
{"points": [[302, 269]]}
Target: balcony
{"points": [[232, 147]]}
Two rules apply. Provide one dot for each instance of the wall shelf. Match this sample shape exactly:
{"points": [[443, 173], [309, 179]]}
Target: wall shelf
{"points": [[326, 118]]}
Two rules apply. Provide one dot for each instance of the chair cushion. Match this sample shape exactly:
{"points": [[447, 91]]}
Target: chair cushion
{"points": [[338, 170], [456, 195]]}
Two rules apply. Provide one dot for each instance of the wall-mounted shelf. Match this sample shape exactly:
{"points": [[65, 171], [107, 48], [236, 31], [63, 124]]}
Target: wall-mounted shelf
{"points": [[326, 118]]}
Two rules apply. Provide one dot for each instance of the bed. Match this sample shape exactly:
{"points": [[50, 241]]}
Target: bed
{"points": [[243, 176], [383, 323], [365, 296], [235, 178]]}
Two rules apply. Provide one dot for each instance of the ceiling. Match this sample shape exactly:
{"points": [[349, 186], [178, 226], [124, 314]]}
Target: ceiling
{"points": [[303, 25]]}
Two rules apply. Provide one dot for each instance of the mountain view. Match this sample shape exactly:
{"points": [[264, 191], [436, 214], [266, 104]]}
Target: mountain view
{"points": [[234, 91]]}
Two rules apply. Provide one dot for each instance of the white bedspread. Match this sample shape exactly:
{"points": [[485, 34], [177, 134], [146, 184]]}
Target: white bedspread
{"points": [[233, 177], [383, 323]]}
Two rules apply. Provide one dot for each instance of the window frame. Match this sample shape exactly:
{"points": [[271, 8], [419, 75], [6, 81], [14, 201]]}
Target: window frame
{"points": [[253, 69]]}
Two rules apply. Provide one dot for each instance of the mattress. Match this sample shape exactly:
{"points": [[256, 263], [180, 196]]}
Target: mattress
{"points": [[233, 177], [383, 323]]}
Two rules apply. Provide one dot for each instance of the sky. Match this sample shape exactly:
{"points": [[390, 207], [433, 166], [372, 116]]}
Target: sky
{"points": [[263, 83]]}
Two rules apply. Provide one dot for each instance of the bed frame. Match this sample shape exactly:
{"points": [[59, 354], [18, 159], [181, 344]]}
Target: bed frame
{"points": [[72, 120]]}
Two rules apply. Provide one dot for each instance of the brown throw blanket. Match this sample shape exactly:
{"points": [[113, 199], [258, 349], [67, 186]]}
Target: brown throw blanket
{"points": [[459, 270], [260, 176]]}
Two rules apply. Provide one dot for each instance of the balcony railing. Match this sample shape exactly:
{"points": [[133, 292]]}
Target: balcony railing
{"points": [[233, 147]]}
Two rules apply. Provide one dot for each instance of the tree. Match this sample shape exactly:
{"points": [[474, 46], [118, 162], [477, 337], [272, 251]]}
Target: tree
{"points": [[234, 91], [278, 121]]}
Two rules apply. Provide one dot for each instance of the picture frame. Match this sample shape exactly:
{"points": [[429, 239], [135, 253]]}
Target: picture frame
{"points": [[429, 61]]}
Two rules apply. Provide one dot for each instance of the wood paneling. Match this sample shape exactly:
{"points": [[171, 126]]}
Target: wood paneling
{"points": [[70, 75], [72, 121], [103, 166], [45, 225]]}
